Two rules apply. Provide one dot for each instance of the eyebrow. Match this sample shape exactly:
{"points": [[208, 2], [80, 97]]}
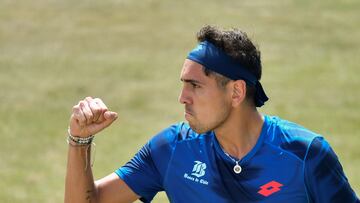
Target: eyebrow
{"points": [[191, 81]]}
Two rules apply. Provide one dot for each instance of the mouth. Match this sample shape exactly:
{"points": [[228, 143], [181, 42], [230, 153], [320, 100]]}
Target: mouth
{"points": [[187, 116], [188, 113]]}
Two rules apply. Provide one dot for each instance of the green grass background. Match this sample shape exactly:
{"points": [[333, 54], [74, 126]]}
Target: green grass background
{"points": [[129, 53]]}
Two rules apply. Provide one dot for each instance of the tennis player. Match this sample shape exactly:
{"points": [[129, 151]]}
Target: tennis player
{"points": [[226, 151]]}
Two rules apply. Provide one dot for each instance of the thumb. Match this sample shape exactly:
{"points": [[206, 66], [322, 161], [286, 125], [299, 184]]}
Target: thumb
{"points": [[110, 117]]}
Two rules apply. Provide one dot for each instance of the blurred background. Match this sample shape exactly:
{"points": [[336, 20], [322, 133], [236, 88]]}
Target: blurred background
{"points": [[130, 53]]}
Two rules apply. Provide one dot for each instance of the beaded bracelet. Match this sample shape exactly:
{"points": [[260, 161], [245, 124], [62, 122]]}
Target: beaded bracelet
{"points": [[80, 141]]}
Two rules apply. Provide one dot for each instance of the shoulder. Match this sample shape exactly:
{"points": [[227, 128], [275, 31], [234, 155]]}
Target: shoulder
{"points": [[171, 135], [291, 137], [160, 148]]}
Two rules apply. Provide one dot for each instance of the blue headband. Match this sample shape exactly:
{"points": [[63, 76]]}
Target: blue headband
{"points": [[218, 61]]}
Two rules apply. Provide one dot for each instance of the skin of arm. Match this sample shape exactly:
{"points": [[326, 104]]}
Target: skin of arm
{"points": [[89, 117]]}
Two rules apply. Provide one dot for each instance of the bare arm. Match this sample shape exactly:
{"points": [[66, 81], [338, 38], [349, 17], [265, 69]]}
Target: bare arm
{"points": [[112, 189], [79, 183], [89, 117]]}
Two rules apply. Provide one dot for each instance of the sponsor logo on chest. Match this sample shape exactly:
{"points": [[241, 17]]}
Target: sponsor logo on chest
{"points": [[197, 173]]}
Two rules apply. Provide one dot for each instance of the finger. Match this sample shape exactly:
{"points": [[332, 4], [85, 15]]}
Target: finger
{"points": [[96, 110], [110, 118], [93, 107], [84, 106], [103, 107], [88, 99], [79, 116], [100, 103]]}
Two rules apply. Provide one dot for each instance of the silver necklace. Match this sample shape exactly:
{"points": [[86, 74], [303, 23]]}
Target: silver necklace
{"points": [[237, 168]]}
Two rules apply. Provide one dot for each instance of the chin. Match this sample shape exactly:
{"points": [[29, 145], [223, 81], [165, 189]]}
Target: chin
{"points": [[198, 129]]}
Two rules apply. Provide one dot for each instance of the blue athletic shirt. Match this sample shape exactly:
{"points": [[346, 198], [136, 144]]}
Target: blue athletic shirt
{"points": [[288, 164]]}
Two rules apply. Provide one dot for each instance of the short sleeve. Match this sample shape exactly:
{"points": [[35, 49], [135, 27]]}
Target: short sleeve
{"points": [[324, 176], [144, 172], [141, 175]]}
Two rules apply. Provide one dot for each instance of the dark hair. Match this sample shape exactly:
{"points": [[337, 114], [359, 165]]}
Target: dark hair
{"points": [[236, 44]]}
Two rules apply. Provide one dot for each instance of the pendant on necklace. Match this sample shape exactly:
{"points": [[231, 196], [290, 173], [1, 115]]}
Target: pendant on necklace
{"points": [[237, 168]]}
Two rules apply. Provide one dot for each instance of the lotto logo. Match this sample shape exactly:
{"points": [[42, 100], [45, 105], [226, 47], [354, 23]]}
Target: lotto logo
{"points": [[270, 188]]}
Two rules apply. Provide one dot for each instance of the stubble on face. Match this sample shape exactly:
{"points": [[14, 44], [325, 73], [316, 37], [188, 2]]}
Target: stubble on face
{"points": [[210, 122], [207, 105]]}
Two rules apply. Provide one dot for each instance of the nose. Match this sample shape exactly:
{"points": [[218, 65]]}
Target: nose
{"points": [[184, 97]]}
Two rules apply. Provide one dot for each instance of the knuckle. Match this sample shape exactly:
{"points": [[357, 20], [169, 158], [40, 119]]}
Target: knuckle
{"points": [[99, 101], [81, 103], [93, 105]]}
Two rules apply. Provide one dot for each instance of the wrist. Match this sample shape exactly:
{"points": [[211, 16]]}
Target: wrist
{"points": [[79, 141], [74, 144]]}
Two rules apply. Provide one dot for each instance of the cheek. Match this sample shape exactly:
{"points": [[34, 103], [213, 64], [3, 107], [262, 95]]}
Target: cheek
{"points": [[209, 102], [209, 108]]}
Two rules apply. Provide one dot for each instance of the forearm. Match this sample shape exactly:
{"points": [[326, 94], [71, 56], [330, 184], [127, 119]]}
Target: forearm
{"points": [[79, 183], [88, 117]]}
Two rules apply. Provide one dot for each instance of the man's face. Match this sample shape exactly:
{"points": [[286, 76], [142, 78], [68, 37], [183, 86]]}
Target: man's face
{"points": [[207, 106]]}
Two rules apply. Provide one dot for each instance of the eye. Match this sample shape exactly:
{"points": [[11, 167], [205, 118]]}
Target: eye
{"points": [[194, 85]]}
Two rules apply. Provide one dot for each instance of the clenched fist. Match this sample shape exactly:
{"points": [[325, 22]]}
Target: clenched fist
{"points": [[89, 117]]}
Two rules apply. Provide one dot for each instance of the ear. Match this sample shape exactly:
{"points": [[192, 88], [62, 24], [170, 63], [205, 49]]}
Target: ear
{"points": [[239, 92]]}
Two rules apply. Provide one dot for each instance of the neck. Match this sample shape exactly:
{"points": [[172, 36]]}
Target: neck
{"points": [[240, 132]]}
